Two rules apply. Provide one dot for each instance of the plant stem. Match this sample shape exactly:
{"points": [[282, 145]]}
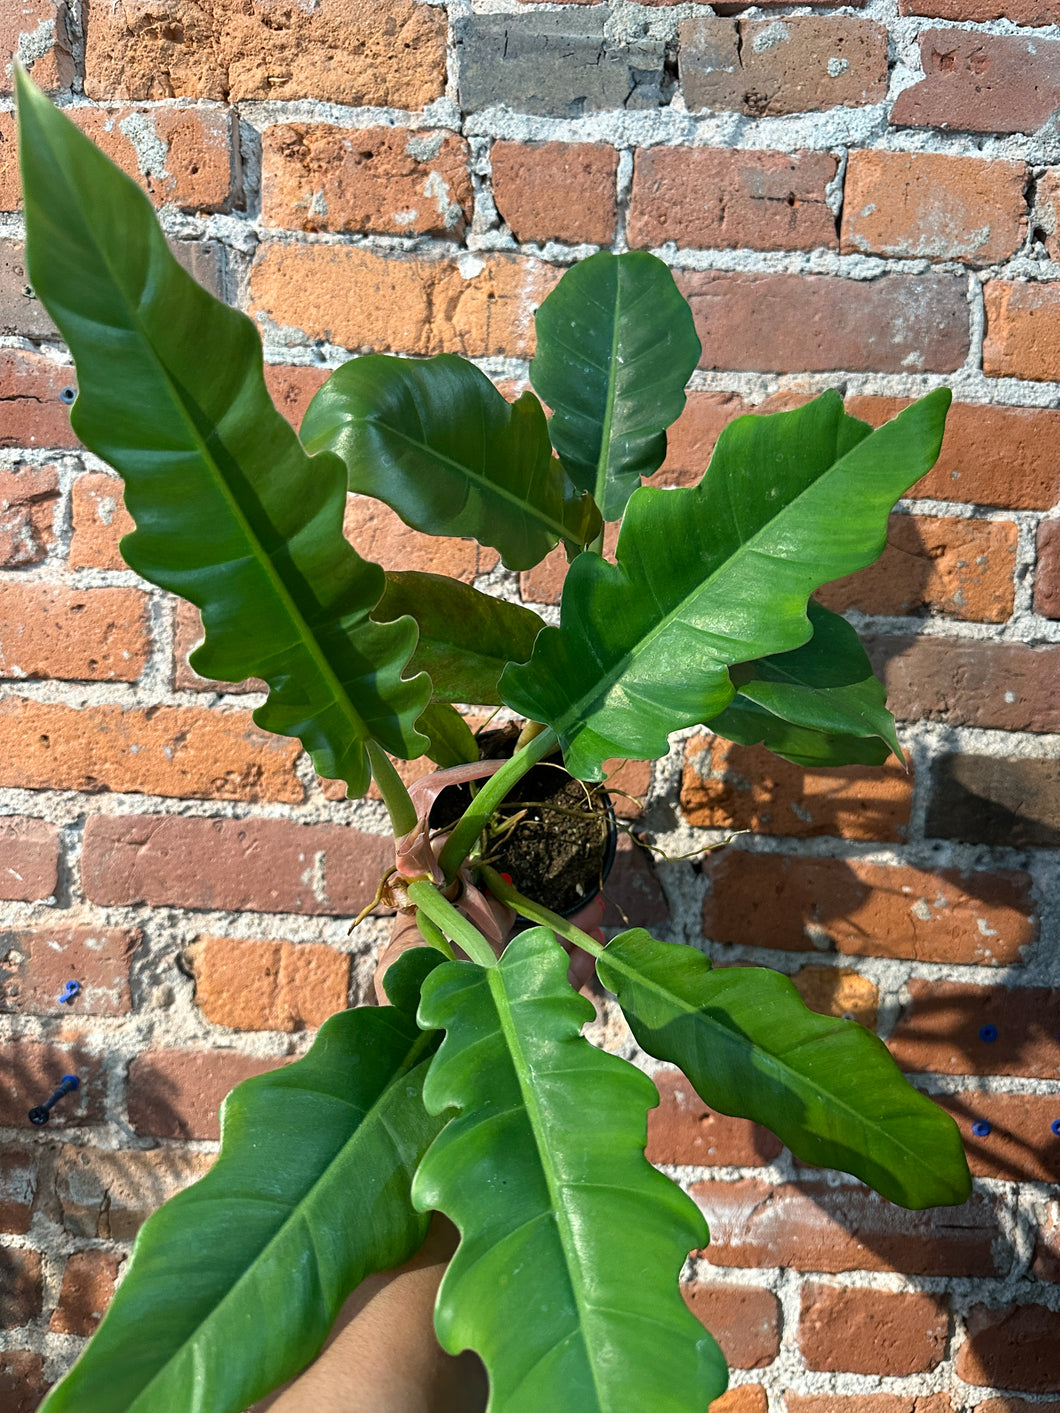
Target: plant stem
{"points": [[526, 907], [452, 923], [399, 806], [475, 817], [433, 935]]}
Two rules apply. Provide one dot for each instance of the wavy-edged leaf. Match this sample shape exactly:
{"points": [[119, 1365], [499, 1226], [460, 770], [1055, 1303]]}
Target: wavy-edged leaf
{"points": [[565, 1280], [616, 345], [235, 1282], [450, 737], [717, 575], [436, 441], [230, 512], [467, 638], [750, 1047], [820, 704]]}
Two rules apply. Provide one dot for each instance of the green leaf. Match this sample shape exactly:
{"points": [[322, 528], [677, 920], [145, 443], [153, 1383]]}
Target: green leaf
{"points": [[615, 347], [467, 638], [565, 1280], [716, 575], [451, 740], [819, 704], [436, 441], [750, 1047], [235, 1282], [230, 512]]}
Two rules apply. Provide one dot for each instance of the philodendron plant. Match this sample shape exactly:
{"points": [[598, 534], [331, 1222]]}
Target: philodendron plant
{"points": [[475, 1093]]}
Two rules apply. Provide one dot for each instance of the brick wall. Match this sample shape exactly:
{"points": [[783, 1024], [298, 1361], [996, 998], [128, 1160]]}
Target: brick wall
{"points": [[863, 198]]}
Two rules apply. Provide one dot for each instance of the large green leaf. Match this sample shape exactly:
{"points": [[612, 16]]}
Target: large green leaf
{"points": [[717, 575], [235, 1282], [230, 512], [819, 704], [615, 346], [436, 441], [467, 638], [750, 1047], [565, 1280]]}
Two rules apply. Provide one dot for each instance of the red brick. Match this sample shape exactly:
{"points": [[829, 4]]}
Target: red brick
{"points": [[88, 1285], [628, 783], [726, 786], [744, 1319], [978, 82], [683, 1130], [177, 1093], [22, 1381], [385, 53], [690, 441], [292, 389], [847, 1330], [100, 520], [1011, 1348], [868, 1403], [28, 495], [30, 1072], [968, 681], [400, 303], [544, 583], [379, 534], [939, 1030], [31, 411], [1047, 579], [973, 918], [110, 1193], [184, 752], [267, 985], [21, 1291], [1009, 800], [935, 564], [187, 635], [79, 635], [1008, 1404], [21, 312], [1023, 12], [37, 962], [1047, 208], [1022, 330], [556, 190], [38, 32], [921, 204], [18, 1185], [29, 859], [254, 865], [1047, 1249], [838, 991], [816, 323], [316, 177], [723, 197], [632, 892], [1021, 1146], [744, 1398]]}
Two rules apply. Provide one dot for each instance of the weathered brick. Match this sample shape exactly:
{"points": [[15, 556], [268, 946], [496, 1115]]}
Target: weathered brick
{"points": [[544, 583], [816, 323], [267, 985], [744, 1398], [935, 564], [744, 1319], [32, 413], [725, 197], [838, 991], [1047, 1248], [725, 786], [88, 1285], [177, 1093], [21, 312], [21, 1289], [204, 261], [923, 204], [1023, 12], [813, 1226], [975, 82], [996, 800], [380, 535], [949, 1027], [30, 1071], [18, 1185], [1009, 1404], [37, 962], [975, 918], [844, 1329], [185, 752], [28, 496], [110, 1194], [292, 389], [555, 64], [1047, 209], [627, 783], [683, 1130], [29, 859], [357, 52], [254, 865], [1014, 1347], [1022, 330], [316, 177], [78, 635], [869, 1403], [1047, 578], [556, 190], [766, 68], [100, 520], [1020, 1145], [690, 441], [37, 32], [401, 303], [22, 1381], [968, 681], [187, 635]]}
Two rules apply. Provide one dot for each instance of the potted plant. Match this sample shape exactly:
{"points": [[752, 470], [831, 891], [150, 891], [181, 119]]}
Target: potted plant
{"points": [[468, 1094]]}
